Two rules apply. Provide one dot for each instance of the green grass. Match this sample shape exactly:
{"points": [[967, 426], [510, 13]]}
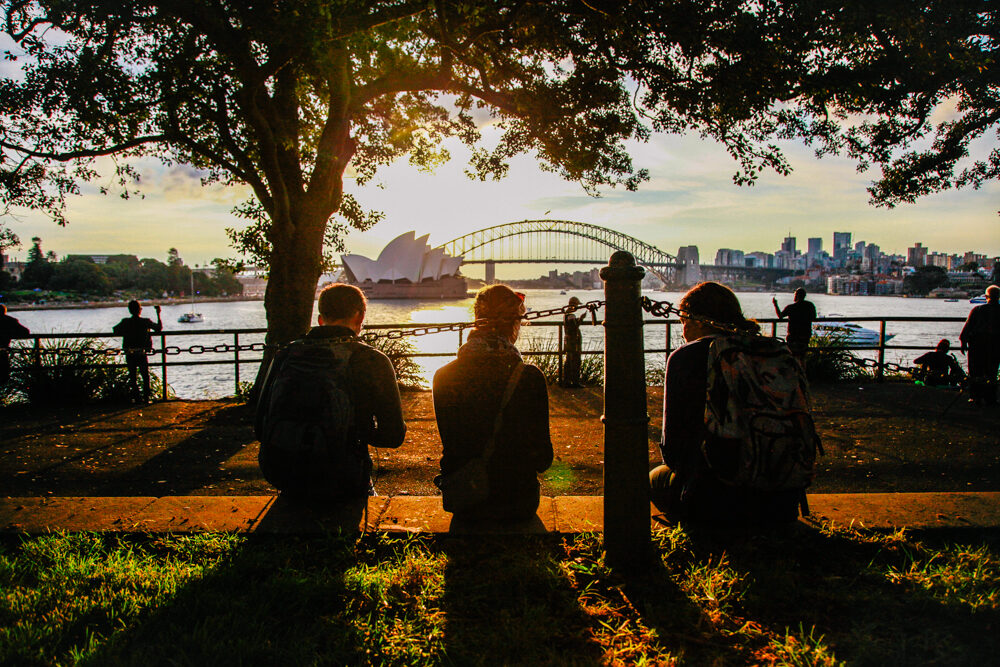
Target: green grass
{"points": [[808, 596]]}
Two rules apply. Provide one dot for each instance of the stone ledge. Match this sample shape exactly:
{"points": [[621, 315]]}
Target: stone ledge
{"points": [[416, 514]]}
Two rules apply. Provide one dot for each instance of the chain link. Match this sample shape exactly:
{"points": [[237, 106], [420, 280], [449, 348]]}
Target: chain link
{"points": [[666, 308]]}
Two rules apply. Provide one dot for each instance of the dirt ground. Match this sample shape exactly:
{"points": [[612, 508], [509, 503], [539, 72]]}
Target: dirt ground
{"points": [[878, 438]]}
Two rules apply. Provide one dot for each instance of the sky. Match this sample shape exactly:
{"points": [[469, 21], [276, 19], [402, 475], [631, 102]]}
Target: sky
{"points": [[689, 200]]}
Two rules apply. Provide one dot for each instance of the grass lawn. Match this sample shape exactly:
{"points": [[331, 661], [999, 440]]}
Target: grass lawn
{"points": [[808, 596]]}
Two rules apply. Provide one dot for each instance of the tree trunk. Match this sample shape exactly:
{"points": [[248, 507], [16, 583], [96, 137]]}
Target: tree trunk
{"points": [[296, 265]]}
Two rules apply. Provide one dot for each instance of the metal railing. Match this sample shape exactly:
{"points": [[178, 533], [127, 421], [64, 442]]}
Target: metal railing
{"points": [[239, 352]]}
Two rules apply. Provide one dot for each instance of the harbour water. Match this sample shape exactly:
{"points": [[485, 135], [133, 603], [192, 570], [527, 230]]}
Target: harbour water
{"points": [[212, 381]]}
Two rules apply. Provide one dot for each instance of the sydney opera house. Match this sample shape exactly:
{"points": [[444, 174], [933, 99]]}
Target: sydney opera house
{"points": [[407, 268]]}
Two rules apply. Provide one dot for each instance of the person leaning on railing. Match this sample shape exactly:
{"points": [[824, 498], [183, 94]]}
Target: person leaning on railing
{"points": [[9, 328], [468, 404]]}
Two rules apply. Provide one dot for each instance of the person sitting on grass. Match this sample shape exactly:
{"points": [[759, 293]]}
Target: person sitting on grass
{"points": [[939, 368], [492, 412], [738, 443]]}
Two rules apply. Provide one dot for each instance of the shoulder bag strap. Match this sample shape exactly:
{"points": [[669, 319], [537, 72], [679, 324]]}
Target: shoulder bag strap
{"points": [[515, 376]]}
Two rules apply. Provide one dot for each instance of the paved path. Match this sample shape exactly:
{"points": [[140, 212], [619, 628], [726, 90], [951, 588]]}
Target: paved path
{"points": [[562, 514]]}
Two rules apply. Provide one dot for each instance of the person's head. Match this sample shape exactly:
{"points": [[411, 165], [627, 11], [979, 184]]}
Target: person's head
{"points": [[342, 305], [500, 308], [715, 302], [943, 345], [573, 301], [134, 307], [799, 294], [3, 309], [992, 293]]}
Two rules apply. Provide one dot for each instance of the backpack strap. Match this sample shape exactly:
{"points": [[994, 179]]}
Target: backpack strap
{"points": [[515, 377]]}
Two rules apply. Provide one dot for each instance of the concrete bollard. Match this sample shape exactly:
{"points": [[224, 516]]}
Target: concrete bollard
{"points": [[626, 423]]}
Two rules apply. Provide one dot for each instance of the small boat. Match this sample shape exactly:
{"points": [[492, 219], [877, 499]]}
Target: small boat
{"points": [[848, 333], [978, 299], [191, 317], [951, 300]]}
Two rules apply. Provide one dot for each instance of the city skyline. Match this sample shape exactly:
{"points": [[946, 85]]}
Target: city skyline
{"points": [[690, 200]]}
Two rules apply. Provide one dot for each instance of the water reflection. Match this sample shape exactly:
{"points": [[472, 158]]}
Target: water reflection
{"points": [[214, 380]]}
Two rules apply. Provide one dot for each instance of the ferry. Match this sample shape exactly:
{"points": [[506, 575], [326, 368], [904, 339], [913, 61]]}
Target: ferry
{"points": [[848, 333], [978, 299]]}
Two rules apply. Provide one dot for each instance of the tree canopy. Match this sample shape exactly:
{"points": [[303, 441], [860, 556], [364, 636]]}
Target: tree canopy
{"points": [[285, 96]]}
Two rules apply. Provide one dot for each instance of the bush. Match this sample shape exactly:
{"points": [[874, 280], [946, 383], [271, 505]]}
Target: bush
{"points": [[545, 355], [824, 363], [407, 370], [69, 371]]}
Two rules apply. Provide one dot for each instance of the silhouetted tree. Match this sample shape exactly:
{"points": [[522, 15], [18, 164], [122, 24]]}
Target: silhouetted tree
{"points": [[282, 97]]}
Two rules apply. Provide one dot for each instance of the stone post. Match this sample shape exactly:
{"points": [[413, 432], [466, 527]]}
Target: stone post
{"points": [[626, 424]]}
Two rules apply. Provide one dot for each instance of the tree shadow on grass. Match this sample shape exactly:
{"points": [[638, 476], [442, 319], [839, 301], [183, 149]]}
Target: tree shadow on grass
{"points": [[276, 601], [854, 590], [506, 601]]}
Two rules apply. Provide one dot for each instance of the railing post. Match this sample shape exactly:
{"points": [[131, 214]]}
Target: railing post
{"points": [[626, 424], [163, 364], [880, 371], [236, 360], [559, 353]]}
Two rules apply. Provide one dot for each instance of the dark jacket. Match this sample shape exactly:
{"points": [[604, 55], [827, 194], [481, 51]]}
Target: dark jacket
{"points": [[801, 315], [11, 328], [371, 384], [982, 327], [467, 395], [135, 330]]}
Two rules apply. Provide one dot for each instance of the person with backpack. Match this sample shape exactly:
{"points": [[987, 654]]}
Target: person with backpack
{"points": [[136, 342], [326, 398], [981, 338], [738, 443], [492, 413]]}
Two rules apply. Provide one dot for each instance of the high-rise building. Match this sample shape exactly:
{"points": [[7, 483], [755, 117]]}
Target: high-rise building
{"points": [[788, 245], [762, 260], [729, 257], [815, 245], [917, 255], [841, 240]]}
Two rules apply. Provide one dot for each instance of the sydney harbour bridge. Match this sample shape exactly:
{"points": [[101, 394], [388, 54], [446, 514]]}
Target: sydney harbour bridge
{"points": [[568, 242]]}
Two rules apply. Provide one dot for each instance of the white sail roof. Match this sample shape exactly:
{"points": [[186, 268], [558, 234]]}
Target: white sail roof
{"points": [[406, 257]]}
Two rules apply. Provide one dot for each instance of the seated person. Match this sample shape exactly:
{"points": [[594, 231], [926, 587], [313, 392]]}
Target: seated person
{"points": [[939, 368], [689, 486], [468, 394]]}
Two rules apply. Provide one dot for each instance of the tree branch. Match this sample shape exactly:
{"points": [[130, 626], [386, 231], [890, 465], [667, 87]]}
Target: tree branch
{"points": [[85, 153]]}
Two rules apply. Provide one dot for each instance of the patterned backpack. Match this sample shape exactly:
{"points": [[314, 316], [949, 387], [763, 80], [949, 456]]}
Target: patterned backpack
{"points": [[760, 434]]}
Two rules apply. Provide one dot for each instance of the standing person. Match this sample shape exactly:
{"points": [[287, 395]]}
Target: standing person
{"points": [[981, 338], [704, 473], [801, 314], [9, 328], [488, 400], [137, 341], [574, 346], [326, 398]]}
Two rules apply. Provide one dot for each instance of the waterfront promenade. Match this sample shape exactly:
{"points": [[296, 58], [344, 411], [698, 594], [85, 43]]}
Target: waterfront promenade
{"points": [[879, 438]]}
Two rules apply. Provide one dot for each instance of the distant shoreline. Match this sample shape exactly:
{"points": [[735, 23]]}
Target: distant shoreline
{"points": [[80, 305]]}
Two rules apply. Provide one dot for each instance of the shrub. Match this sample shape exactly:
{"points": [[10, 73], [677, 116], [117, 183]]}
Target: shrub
{"points": [[407, 370], [825, 363], [69, 371]]}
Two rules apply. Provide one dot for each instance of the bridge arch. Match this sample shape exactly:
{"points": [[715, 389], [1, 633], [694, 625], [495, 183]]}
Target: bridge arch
{"points": [[658, 262]]}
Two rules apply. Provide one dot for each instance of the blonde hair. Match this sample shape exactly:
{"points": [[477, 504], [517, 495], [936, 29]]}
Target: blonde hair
{"points": [[499, 308]]}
